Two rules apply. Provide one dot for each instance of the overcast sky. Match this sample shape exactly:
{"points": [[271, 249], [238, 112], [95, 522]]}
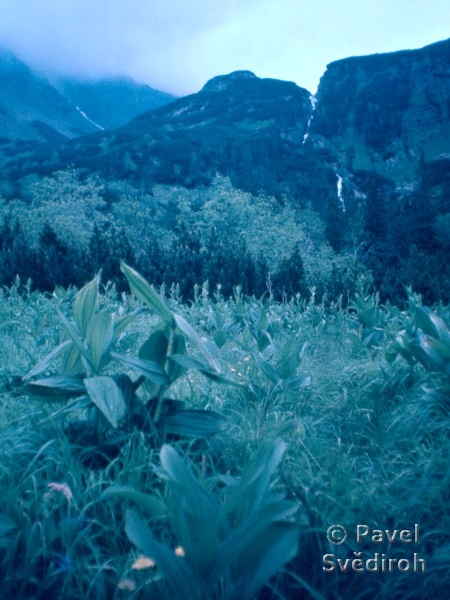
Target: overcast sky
{"points": [[177, 45]]}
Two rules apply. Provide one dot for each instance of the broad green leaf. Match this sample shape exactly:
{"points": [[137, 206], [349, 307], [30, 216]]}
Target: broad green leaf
{"points": [[44, 364], [424, 321], [391, 353], [195, 339], [404, 347], [269, 371], [149, 368], [243, 551], [107, 396], [254, 486], [194, 512], [173, 568], [71, 362], [371, 339], [121, 323], [297, 382], [427, 351], [85, 304], [156, 345], [220, 338], [57, 386], [152, 505], [147, 293], [178, 348], [263, 340], [78, 341], [192, 423], [289, 359], [442, 349], [176, 471], [100, 337], [370, 317], [265, 556]]}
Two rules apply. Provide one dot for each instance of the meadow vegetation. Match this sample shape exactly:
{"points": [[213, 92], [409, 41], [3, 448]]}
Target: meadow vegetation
{"points": [[152, 447]]}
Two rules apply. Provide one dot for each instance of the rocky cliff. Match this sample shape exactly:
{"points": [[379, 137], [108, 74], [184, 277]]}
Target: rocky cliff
{"points": [[386, 114]]}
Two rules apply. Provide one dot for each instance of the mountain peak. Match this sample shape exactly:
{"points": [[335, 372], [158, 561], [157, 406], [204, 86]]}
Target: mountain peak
{"points": [[222, 82]]}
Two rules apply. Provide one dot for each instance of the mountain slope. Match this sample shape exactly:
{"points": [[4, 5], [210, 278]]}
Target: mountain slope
{"points": [[381, 129], [381, 126], [370, 154], [111, 102], [385, 115], [33, 107], [240, 125]]}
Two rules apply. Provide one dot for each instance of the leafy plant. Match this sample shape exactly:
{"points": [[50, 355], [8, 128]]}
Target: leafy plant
{"points": [[229, 543], [368, 442], [424, 339], [370, 317], [87, 350]]}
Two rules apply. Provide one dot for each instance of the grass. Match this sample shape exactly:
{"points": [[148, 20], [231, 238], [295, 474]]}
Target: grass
{"points": [[366, 442]]}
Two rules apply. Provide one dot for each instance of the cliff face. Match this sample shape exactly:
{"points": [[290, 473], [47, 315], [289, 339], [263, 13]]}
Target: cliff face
{"points": [[380, 133], [385, 113]]}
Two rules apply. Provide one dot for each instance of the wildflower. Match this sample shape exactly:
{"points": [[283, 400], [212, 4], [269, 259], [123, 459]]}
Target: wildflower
{"points": [[63, 489], [143, 562]]}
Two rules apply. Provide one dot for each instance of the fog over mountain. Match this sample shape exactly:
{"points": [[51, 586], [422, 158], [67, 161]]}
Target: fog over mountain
{"points": [[36, 107], [177, 45]]}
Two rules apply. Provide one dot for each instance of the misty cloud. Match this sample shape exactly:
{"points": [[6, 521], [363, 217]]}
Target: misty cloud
{"points": [[177, 45]]}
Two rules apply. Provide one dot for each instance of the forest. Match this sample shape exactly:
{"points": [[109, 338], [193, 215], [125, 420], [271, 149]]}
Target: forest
{"points": [[65, 228]]}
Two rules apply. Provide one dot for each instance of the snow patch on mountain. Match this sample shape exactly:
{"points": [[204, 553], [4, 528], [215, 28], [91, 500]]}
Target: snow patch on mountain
{"points": [[84, 115]]}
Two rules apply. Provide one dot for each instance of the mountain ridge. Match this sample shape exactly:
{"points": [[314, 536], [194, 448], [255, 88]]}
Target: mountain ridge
{"points": [[43, 108]]}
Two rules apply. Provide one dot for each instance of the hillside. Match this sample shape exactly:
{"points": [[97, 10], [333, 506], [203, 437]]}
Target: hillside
{"points": [[41, 108], [247, 128], [110, 102], [386, 112], [31, 109], [382, 127]]}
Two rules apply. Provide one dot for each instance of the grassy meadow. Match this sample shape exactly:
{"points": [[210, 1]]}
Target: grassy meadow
{"points": [[156, 448]]}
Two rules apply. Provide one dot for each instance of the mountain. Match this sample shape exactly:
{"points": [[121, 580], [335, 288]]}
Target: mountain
{"points": [[110, 102], [386, 112], [381, 130], [383, 118], [370, 153], [245, 127], [36, 108], [386, 118], [31, 109]]}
